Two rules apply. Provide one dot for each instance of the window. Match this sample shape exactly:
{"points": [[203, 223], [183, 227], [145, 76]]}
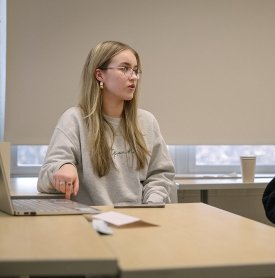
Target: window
{"points": [[202, 159], [221, 159]]}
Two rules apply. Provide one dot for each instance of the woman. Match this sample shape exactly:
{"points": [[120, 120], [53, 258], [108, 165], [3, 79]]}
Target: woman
{"points": [[106, 150]]}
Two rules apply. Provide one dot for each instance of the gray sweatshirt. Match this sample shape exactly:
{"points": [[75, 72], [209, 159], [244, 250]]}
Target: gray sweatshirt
{"points": [[124, 183]]}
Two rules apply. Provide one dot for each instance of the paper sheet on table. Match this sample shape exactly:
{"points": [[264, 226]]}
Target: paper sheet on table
{"points": [[116, 218]]}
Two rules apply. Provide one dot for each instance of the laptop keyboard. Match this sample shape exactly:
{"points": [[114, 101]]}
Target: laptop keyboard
{"points": [[44, 205]]}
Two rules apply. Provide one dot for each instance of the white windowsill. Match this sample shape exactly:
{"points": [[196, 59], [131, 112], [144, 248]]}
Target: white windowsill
{"points": [[208, 183], [219, 176]]}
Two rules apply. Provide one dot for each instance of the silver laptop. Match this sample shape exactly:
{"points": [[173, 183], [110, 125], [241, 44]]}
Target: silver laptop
{"points": [[33, 206]]}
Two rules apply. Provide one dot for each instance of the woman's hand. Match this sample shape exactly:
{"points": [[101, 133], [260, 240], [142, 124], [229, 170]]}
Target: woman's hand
{"points": [[65, 180]]}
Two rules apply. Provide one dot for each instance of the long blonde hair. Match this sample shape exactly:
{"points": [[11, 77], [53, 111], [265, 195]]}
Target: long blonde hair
{"points": [[91, 104]]}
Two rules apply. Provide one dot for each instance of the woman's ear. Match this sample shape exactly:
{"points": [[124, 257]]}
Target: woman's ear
{"points": [[98, 75]]}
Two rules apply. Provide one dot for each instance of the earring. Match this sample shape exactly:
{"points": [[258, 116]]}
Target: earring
{"points": [[101, 85]]}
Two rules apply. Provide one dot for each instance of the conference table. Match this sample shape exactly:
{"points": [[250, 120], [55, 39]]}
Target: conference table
{"points": [[180, 240], [193, 240], [47, 246]]}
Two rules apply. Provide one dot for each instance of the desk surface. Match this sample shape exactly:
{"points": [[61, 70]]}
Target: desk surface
{"points": [[52, 245], [190, 240], [23, 186], [193, 240], [26, 187]]}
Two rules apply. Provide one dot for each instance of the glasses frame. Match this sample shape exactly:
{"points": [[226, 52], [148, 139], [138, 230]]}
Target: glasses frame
{"points": [[127, 71]]}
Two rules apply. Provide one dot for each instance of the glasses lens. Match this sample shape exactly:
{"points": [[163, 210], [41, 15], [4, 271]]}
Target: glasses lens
{"points": [[129, 72], [137, 72]]}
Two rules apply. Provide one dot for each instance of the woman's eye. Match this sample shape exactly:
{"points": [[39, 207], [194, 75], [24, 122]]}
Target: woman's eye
{"points": [[125, 69]]}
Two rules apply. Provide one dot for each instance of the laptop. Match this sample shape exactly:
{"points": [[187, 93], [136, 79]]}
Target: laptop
{"points": [[33, 206]]}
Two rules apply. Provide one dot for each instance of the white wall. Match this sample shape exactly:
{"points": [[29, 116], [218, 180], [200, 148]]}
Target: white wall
{"points": [[208, 64]]}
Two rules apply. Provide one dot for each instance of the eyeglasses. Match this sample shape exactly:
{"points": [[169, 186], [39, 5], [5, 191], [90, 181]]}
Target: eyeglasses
{"points": [[128, 72]]}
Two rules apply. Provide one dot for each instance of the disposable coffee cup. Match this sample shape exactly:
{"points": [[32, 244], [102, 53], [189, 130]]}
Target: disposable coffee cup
{"points": [[248, 165]]}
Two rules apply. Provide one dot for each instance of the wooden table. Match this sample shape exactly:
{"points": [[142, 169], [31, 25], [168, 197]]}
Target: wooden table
{"points": [[193, 240], [52, 245], [190, 240]]}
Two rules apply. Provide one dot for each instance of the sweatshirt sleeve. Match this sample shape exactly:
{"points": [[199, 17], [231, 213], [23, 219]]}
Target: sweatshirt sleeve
{"points": [[269, 200], [63, 148], [160, 175]]}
